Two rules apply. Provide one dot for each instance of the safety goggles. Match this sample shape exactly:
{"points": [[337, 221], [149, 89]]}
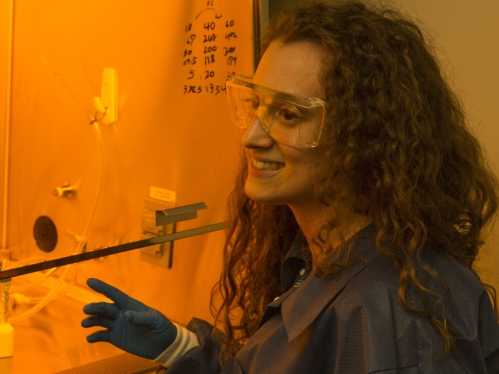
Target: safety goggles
{"points": [[289, 119]]}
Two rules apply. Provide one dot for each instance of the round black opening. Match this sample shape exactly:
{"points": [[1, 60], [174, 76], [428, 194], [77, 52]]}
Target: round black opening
{"points": [[45, 234]]}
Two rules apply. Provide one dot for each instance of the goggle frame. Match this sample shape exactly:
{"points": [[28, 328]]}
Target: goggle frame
{"points": [[305, 103]]}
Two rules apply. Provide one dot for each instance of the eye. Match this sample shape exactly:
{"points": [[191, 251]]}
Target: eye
{"points": [[289, 115], [251, 101]]}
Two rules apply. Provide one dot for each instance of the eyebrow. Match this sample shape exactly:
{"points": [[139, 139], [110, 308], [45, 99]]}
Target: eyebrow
{"points": [[278, 95], [306, 102]]}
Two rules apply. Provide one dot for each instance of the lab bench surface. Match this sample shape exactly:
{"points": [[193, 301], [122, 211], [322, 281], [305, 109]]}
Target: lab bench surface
{"points": [[53, 340]]}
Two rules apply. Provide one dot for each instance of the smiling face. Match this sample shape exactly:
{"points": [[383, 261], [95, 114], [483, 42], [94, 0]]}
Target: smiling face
{"points": [[278, 173]]}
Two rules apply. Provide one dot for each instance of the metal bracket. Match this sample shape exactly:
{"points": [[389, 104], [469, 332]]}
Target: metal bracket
{"points": [[177, 214]]}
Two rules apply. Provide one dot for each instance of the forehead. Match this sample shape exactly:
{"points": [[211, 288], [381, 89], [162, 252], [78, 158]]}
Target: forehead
{"points": [[292, 67]]}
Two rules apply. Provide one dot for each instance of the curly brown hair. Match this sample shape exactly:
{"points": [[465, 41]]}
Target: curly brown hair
{"points": [[403, 156]]}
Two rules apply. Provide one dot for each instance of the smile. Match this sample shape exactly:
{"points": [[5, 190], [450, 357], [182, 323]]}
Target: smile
{"points": [[267, 165]]}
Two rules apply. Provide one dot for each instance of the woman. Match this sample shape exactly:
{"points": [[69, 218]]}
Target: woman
{"points": [[356, 218]]}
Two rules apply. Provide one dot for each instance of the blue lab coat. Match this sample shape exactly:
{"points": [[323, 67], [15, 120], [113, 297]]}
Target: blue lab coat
{"points": [[354, 322]]}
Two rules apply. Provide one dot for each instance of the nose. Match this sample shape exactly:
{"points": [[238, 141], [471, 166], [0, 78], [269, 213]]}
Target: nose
{"points": [[255, 136]]}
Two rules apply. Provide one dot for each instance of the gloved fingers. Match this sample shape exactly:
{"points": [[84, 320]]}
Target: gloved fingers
{"points": [[153, 320], [98, 321], [99, 336], [162, 329], [111, 311], [107, 290], [142, 319]]}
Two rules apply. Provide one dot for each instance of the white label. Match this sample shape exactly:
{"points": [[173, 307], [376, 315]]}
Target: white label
{"points": [[162, 194]]}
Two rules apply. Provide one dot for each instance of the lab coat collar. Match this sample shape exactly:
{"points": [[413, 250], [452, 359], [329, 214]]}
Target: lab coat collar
{"points": [[296, 249], [293, 262], [301, 308]]}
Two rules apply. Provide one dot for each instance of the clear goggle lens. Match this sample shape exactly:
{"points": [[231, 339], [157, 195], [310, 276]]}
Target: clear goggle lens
{"points": [[289, 119]]}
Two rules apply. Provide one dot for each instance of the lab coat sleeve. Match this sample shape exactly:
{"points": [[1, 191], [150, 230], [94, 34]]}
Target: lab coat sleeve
{"points": [[201, 359], [184, 341]]}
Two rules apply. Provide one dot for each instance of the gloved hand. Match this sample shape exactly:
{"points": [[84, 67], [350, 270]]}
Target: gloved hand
{"points": [[131, 325]]}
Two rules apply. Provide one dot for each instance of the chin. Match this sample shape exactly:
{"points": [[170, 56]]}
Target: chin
{"points": [[256, 194]]}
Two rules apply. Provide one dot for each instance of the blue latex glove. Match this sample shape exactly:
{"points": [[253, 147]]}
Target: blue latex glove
{"points": [[131, 325]]}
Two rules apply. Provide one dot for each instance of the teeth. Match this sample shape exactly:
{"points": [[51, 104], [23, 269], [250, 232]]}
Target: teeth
{"points": [[267, 165]]}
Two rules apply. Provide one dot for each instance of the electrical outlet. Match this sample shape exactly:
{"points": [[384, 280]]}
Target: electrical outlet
{"points": [[159, 254]]}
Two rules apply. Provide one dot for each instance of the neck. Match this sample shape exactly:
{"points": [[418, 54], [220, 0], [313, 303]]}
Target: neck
{"points": [[311, 218]]}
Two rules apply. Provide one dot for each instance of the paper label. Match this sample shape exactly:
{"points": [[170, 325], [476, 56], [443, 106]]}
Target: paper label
{"points": [[162, 194]]}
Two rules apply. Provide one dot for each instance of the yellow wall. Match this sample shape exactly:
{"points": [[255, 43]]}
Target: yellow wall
{"points": [[467, 38], [167, 139]]}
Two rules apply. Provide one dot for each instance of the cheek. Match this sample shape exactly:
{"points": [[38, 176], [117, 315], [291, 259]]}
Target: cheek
{"points": [[305, 175], [301, 175], [305, 171], [303, 160]]}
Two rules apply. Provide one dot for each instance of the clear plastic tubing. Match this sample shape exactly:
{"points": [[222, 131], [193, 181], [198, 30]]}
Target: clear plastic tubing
{"points": [[81, 243], [101, 159], [6, 329], [119, 168], [4, 300]]}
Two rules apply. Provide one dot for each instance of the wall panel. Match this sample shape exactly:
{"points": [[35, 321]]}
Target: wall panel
{"points": [[173, 132]]}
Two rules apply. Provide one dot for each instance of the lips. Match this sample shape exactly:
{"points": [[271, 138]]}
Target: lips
{"points": [[263, 165]]}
